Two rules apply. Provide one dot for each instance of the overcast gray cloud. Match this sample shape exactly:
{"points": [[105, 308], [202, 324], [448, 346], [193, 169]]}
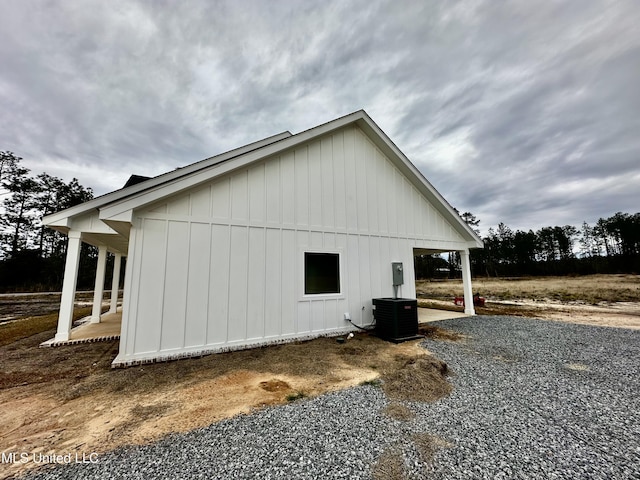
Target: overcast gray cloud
{"points": [[522, 112]]}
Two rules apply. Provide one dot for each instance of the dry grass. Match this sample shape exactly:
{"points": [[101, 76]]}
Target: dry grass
{"points": [[275, 385], [428, 445], [421, 379], [439, 333], [590, 289], [397, 411], [390, 466], [28, 326]]}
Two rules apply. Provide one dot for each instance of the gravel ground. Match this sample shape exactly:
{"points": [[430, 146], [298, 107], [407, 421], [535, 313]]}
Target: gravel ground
{"points": [[532, 399]]}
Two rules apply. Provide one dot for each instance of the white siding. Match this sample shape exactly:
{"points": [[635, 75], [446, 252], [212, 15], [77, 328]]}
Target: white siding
{"points": [[238, 283], [218, 287], [198, 282], [221, 265]]}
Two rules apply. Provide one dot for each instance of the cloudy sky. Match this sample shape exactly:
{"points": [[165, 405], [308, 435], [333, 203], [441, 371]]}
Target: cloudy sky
{"points": [[524, 112]]}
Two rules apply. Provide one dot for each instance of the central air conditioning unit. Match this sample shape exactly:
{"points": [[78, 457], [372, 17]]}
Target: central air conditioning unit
{"points": [[396, 319]]}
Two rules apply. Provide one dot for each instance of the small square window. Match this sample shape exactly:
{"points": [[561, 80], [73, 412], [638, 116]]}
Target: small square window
{"points": [[321, 273]]}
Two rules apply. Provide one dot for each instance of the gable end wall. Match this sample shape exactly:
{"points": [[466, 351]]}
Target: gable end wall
{"points": [[220, 266]]}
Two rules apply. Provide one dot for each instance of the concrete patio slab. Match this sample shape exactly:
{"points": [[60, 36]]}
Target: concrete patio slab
{"points": [[107, 329], [426, 315]]}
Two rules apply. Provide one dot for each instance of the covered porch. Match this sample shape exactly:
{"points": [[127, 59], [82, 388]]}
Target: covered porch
{"points": [[107, 329], [465, 266], [89, 229]]}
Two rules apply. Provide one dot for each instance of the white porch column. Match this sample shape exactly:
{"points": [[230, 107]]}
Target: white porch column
{"points": [[98, 290], [466, 283], [65, 317], [115, 283]]}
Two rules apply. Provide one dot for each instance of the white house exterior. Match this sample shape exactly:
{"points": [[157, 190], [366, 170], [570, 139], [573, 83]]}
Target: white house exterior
{"points": [[270, 242]]}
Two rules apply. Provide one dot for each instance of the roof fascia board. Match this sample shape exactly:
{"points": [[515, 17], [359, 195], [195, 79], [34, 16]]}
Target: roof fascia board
{"points": [[58, 218], [170, 188], [64, 222]]}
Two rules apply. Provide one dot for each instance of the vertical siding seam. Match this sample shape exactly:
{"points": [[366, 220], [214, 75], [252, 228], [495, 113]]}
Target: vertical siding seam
{"points": [[318, 160], [281, 242], [136, 271], [354, 161], [308, 190], [246, 289], [368, 177], [375, 187], [247, 200], [226, 323], [138, 236], [333, 184], [383, 258], [355, 181], [346, 187], [299, 281], [206, 325], [264, 283], [229, 220], [295, 190], [266, 222], [280, 187], [186, 293], [229, 196], [164, 280]]}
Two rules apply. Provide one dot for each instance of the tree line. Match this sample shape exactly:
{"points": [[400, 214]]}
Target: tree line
{"points": [[612, 245], [31, 255]]}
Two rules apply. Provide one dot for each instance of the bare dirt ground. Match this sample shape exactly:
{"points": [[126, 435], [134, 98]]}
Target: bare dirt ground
{"points": [[69, 400], [605, 300]]}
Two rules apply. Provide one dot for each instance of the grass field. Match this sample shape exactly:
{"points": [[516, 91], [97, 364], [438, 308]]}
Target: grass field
{"points": [[590, 289], [26, 327]]}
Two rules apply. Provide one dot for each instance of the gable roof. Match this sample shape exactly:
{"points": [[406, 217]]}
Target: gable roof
{"points": [[116, 208]]}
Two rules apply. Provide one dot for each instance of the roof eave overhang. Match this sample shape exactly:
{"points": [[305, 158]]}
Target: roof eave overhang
{"points": [[59, 218]]}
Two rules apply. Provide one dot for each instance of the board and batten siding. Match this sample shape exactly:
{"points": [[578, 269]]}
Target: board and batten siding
{"points": [[221, 266]]}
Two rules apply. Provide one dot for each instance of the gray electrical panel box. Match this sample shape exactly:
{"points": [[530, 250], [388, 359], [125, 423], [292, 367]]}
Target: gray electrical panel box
{"points": [[398, 275]]}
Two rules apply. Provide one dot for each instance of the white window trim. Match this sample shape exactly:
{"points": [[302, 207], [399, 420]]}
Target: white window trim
{"points": [[301, 275]]}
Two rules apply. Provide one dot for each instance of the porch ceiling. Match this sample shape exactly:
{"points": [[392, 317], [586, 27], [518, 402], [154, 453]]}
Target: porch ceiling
{"points": [[114, 243]]}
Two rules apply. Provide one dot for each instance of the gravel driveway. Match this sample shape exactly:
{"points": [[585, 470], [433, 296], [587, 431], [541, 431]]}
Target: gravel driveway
{"points": [[532, 399]]}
